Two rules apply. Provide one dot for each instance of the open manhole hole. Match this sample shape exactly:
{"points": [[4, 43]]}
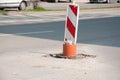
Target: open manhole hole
{"points": [[78, 56]]}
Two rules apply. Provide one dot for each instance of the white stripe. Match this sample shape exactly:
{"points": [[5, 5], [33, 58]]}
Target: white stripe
{"points": [[76, 26], [72, 16], [33, 32], [2, 35], [69, 36]]}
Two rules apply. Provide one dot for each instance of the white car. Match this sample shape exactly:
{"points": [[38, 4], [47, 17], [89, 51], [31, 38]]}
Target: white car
{"points": [[20, 4]]}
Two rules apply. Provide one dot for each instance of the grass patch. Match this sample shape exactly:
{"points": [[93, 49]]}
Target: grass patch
{"points": [[3, 12], [38, 9]]}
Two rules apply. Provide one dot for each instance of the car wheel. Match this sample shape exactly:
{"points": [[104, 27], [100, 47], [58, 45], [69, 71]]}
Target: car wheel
{"points": [[118, 1], [92, 2], [22, 6]]}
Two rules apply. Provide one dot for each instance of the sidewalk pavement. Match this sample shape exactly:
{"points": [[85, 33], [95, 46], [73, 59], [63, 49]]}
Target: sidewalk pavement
{"points": [[14, 17]]}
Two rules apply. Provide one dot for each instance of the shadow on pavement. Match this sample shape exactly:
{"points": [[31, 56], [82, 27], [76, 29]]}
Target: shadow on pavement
{"points": [[102, 31]]}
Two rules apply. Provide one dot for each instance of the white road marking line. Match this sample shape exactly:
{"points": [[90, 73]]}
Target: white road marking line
{"points": [[3, 35]]}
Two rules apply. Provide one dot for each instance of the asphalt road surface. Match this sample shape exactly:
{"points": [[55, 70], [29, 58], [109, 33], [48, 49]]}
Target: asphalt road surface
{"points": [[24, 49], [101, 31]]}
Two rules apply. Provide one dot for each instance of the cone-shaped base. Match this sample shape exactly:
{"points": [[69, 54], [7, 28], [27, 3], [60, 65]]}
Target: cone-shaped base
{"points": [[69, 50]]}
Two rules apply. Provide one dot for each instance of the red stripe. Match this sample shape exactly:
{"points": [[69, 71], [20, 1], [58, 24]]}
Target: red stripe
{"points": [[74, 9], [70, 27]]}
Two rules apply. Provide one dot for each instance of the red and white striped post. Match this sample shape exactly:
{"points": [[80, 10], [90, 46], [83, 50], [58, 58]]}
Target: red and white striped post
{"points": [[71, 28]]}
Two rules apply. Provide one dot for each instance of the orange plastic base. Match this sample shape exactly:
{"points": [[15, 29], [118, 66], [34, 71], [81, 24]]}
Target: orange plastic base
{"points": [[69, 50]]}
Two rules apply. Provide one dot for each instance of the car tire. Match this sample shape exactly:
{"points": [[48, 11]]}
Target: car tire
{"points": [[92, 2], [118, 1], [22, 6]]}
